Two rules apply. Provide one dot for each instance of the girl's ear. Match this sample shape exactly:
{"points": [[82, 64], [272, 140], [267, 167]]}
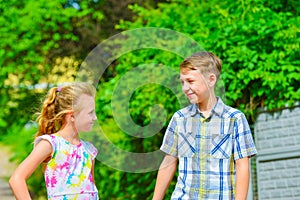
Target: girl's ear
{"points": [[70, 115]]}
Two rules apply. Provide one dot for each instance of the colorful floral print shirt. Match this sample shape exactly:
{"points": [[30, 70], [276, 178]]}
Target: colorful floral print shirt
{"points": [[68, 174]]}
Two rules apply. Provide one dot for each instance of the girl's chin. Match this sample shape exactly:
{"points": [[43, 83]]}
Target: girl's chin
{"points": [[88, 129]]}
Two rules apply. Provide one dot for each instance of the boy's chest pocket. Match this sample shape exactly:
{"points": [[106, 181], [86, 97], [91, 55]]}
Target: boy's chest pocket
{"points": [[186, 145], [221, 146]]}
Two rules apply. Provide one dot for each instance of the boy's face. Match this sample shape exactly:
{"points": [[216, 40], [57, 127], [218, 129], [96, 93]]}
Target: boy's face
{"points": [[195, 86]]}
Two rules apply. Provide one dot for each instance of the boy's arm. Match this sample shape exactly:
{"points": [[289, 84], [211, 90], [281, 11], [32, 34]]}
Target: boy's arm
{"points": [[242, 178], [164, 176]]}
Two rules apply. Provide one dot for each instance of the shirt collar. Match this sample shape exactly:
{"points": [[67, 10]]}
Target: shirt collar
{"points": [[217, 109], [194, 110]]}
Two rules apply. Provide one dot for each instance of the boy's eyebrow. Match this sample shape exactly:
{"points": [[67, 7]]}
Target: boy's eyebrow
{"points": [[187, 78]]}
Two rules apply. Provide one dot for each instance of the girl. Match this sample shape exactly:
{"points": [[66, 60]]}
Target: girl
{"points": [[69, 170]]}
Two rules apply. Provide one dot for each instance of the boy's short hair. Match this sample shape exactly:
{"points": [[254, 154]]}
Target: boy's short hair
{"points": [[205, 62]]}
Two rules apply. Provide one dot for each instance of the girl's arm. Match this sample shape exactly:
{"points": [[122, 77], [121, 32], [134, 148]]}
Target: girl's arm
{"points": [[164, 176], [18, 179], [93, 167], [242, 178]]}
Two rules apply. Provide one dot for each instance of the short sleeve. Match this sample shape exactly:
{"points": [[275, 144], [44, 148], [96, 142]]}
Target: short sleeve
{"points": [[92, 150], [169, 145], [49, 138], [243, 143]]}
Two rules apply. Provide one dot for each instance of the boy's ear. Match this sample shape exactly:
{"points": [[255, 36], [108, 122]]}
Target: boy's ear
{"points": [[212, 80]]}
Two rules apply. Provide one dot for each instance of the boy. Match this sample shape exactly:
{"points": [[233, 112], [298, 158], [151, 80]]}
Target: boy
{"points": [[211, 140]]}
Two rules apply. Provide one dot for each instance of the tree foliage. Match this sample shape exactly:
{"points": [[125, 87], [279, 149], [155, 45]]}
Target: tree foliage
{"points": [[257, 40], [34, 34]]}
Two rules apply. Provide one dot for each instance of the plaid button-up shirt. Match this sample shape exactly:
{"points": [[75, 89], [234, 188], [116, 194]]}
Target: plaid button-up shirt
{"points": [[206, 149]]}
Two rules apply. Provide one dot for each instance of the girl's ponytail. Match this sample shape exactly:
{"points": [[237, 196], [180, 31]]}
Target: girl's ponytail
{"points": [[47, 118]]}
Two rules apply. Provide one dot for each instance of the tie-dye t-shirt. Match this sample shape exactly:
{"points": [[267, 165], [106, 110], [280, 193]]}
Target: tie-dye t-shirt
{"points": [[68, 173]]}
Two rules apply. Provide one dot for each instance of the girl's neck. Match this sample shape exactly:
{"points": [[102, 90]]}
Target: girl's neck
{"points": [[69, 134]]}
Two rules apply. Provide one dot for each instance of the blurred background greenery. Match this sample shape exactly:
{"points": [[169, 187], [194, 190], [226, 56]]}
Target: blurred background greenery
{"points": [[43, 43]]}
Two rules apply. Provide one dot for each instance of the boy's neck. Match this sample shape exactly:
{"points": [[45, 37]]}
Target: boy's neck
{"points": [[206, 107]]}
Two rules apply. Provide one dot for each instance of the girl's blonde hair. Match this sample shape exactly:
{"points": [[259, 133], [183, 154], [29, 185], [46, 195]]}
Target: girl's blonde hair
{"points": [[60, 101], [205, 62]]}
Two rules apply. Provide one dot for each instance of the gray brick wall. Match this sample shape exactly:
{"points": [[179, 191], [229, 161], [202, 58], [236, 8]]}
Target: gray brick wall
{"points": [[277, 137]]}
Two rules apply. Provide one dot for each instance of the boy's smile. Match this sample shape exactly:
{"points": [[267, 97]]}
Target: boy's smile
{"points": [[194, 85]]}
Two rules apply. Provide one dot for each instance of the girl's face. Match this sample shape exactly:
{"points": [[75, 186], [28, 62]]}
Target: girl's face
{"points": [[195, 86], [84, 119]]}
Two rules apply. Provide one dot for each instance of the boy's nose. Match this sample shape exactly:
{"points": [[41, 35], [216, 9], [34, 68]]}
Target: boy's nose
{"points": [[185, 87]]}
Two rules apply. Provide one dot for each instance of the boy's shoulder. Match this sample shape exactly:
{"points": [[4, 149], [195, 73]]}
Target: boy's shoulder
{"points": [[231, 112], [221, 109], [186, 111]]}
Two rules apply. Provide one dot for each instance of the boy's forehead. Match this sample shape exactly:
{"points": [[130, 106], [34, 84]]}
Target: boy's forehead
{"points": [[186, 73]]}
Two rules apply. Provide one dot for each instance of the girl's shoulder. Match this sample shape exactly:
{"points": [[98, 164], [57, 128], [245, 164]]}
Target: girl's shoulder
{"points": [[50, 138], [90, 148]]}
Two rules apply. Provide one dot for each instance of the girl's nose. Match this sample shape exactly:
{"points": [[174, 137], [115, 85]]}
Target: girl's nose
{"points": [[95, 117]]}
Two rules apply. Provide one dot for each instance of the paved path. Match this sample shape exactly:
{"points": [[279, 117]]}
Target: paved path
{"points": [[5, 191], [6, 169]]}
